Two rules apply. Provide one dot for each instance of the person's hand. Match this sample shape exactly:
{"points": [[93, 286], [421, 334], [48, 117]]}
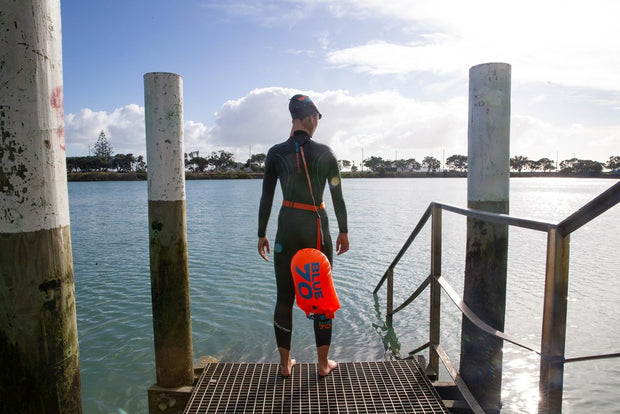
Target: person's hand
{"points": [[342, 243], [263, 244]]}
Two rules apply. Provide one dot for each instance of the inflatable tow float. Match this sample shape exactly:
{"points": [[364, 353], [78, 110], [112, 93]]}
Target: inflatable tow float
{"points": [[314, 287]]}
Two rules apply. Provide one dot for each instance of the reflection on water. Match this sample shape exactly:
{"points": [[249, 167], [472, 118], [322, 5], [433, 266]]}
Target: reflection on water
{"points": [[520, 393]]}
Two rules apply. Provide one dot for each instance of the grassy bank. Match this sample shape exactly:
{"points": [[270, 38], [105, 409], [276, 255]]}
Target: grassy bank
{"points": [[106, 176]]}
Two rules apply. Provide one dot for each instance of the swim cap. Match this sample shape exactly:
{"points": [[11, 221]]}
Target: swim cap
{"points": [[302, 106]]}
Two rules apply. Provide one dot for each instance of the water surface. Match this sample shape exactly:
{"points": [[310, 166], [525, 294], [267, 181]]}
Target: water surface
{"points": [[233, 290]]}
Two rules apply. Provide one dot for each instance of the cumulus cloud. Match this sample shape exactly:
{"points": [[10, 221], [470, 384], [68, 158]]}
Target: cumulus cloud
{"points": [[381, 123], [258, 119], [384, 123], [125, 131], [389, 125], [123, 127], [197, 137]]}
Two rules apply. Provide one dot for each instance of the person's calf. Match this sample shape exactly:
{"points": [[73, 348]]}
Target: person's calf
{"points": [[286, 363], [325, 365]]}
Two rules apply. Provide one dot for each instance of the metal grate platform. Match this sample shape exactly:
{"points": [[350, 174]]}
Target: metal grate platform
{"points": [[353, 387]]}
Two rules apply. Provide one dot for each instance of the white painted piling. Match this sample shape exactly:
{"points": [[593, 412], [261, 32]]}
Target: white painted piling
{"points": [[488, 184], [38, 329], [167, 229], [488, 136]]}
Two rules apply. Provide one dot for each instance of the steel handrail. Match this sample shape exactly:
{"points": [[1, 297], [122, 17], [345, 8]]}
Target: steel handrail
{"points": [[408, 242], [556, 233], [591, 210], [497, 217], [478, 214], [465, 310], [581, 217]]}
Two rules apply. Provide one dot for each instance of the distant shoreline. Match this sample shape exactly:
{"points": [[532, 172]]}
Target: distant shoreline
{"points": [[141, 176]]}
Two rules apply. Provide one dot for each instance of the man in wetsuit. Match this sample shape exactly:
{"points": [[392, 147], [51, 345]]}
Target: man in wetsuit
{"points": [[303, 167]]}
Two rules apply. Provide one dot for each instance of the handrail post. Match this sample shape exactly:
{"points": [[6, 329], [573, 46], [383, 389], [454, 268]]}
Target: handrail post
{"points": [[553, 339], [390, 296], [435, 309]]}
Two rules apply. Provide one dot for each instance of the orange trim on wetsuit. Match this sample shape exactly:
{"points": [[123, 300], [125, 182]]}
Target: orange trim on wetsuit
{"points": [[302, 206]]}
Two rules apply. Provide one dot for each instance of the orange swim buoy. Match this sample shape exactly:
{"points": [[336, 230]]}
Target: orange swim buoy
{"points": [[314, 287]]}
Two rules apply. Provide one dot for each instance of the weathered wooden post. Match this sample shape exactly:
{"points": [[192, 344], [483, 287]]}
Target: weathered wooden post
{"points": [[39, 372], [488, 183], [163, 94]]}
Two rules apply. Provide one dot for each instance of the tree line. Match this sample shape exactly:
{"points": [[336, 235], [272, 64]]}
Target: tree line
{"points": [[570, 166], [518, 163], [103, 159]]}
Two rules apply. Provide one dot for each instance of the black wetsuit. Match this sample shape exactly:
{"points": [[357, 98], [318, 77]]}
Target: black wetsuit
{"points": [[297, 228]]}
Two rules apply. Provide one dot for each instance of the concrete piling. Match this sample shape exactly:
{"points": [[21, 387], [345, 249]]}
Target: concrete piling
{"points": [[38, 329], [167, 230], [488, 183]]}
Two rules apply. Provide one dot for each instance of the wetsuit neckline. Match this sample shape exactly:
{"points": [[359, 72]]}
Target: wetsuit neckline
{"points": [[301, 137]]}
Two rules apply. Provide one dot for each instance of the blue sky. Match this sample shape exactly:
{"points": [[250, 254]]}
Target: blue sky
{"points": [[390, 77]]}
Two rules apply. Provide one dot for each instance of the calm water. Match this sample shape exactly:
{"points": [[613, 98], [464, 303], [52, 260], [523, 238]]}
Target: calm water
{"points": [[232, 288]]}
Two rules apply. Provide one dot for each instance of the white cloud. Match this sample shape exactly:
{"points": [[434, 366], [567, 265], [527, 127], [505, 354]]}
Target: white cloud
{"points": [[536, 139], [258, 119], [569, 43], [124, 129], [197, 137], [389, 125], [385, 124], [382, 124]]}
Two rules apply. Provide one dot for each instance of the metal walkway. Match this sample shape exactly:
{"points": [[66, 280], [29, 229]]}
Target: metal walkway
{"points": [[353, 387]]}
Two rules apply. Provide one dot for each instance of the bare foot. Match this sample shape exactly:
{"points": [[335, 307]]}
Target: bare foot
{"points": [[324, 371], [288, 370]]}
